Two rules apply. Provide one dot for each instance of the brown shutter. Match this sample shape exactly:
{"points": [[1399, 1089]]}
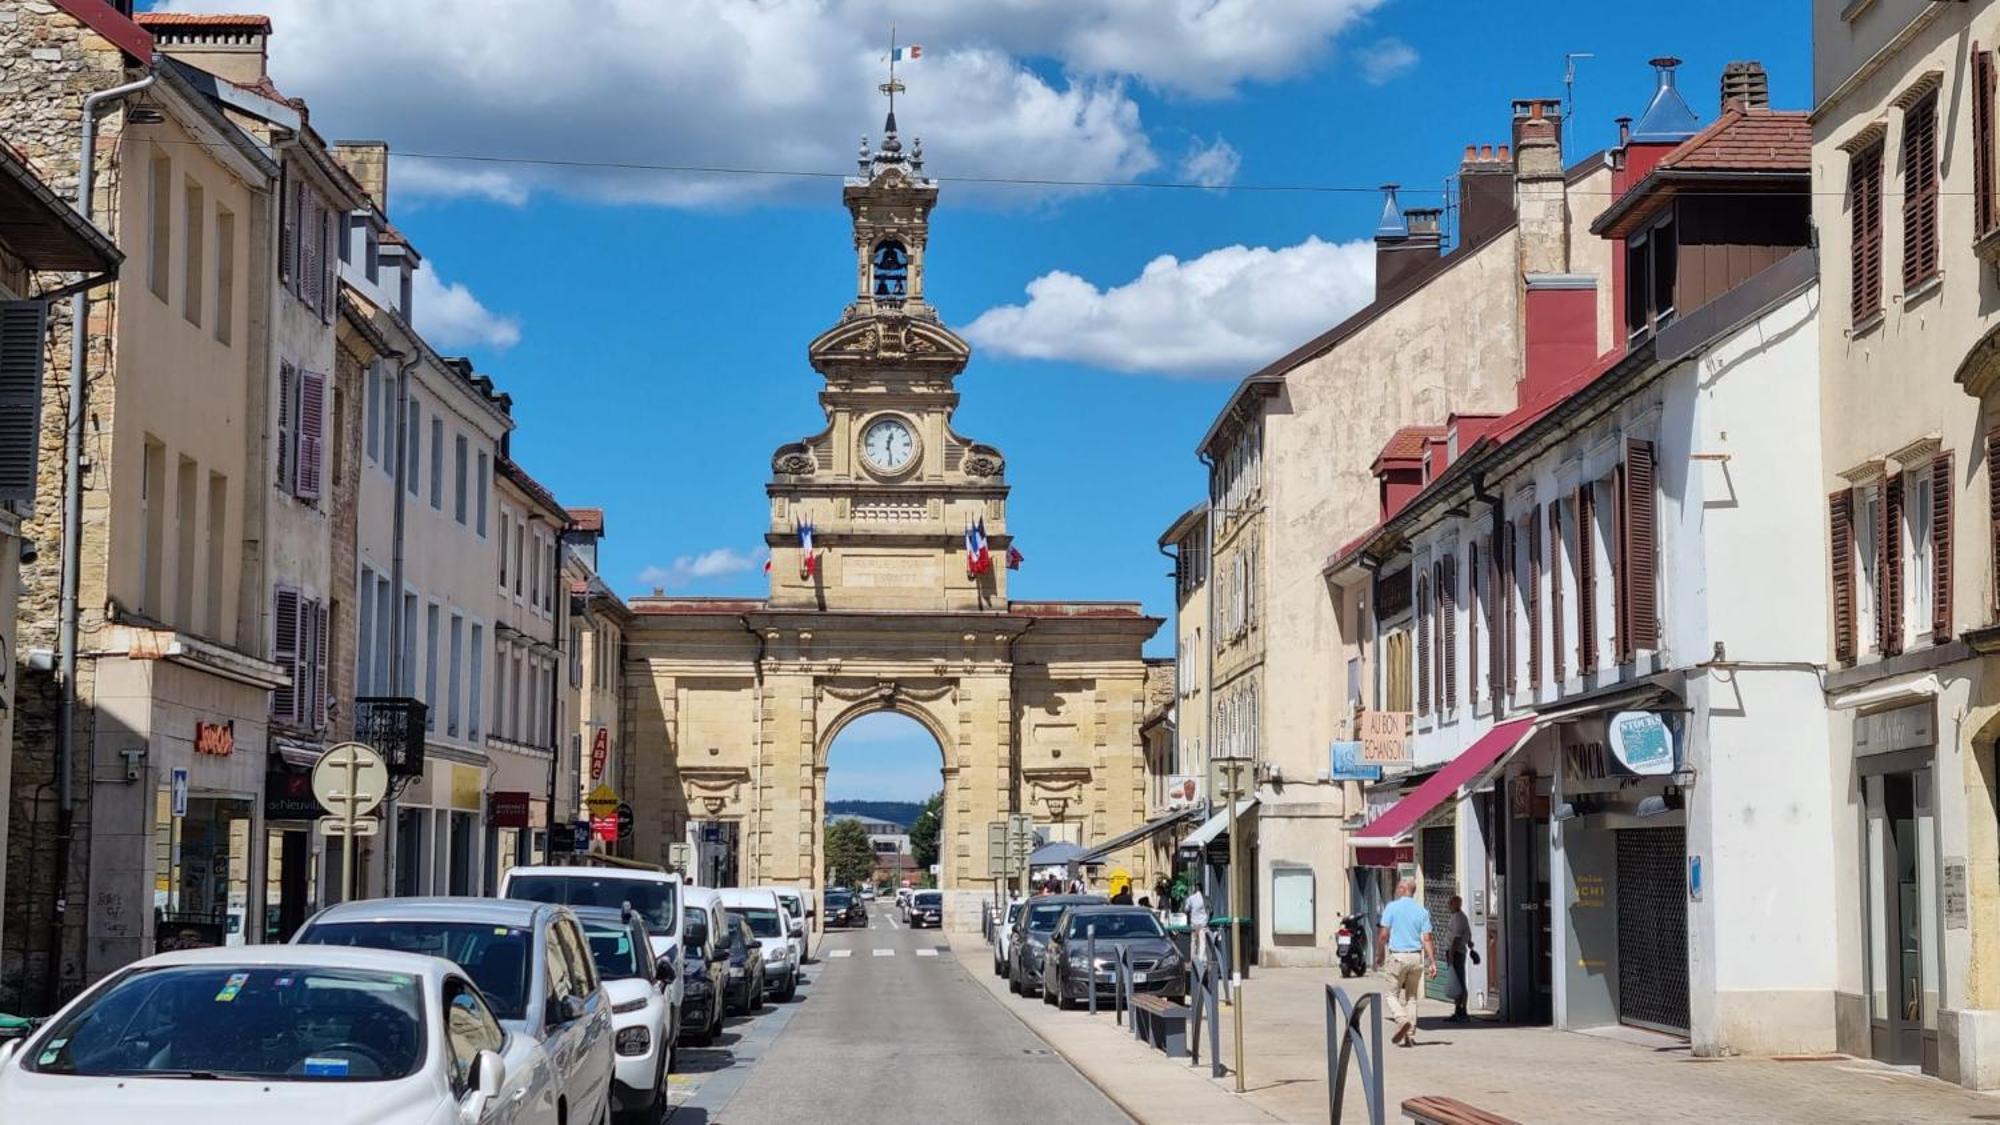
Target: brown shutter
{"points": [[321, 633], [1586, 579], [1941, 548], [1621, 604], [1558, 642], [1535, 600], [1423, 645], [1840, 559], [1983, 208], [1448, 636], [285, 653], [1503, 637], [288, 238], [1920, 200], [1640, 574], [23, 340], [1473, 605], [1864, 182], [1889, 549], [310, 454]]}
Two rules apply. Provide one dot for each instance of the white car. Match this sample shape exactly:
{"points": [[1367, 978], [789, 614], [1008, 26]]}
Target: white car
{"points": [[270, 1033], [798, 904], [640, 1013], [1003, 933], [655, 894], [772, 926]]}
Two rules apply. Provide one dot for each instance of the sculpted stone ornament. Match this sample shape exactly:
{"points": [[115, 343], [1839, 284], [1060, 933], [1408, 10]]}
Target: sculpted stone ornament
{"points": [[793, 460]]}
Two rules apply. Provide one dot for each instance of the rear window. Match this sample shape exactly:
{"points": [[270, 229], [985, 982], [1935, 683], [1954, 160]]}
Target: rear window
{"points": [[763, 922], [654, 900], [930, 898], [1042, 916], [614, 951], [1120, 925], [497, 958], [838, 898]]}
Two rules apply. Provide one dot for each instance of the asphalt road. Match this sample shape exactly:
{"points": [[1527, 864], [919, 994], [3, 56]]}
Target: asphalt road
{"points": [[890, 1029]]}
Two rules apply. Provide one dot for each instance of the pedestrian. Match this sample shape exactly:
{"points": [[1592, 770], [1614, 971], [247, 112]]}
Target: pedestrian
{"points": [[1196, 906], [1404, 947], [1124, 895], [1146, 901], [1457, 947]]}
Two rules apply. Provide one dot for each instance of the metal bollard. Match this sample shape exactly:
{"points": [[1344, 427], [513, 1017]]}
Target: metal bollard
{"points": [[1090, 954]]}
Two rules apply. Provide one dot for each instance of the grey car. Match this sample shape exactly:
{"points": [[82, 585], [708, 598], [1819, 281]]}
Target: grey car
{"points": [[532, 964], [1131, 932], [1030, 939]]}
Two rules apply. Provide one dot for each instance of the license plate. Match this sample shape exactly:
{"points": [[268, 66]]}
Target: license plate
{"points": [[1138, 978]]}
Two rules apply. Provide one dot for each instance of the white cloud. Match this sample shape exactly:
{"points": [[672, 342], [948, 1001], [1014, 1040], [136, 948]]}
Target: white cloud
{"points": [[1384, 60], [450, 317], [716, 563], [725, 83], [1211, 165], [1218, 315]]}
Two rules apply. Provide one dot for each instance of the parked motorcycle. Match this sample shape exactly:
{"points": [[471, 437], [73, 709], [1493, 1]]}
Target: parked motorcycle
{"points": [[1351, 944]]}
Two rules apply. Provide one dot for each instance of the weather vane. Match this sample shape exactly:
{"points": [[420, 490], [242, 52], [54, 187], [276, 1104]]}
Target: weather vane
{"points": [[897, 54]]}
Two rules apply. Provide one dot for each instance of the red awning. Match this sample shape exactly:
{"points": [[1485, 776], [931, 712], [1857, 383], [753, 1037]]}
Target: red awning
{"points": [[1492, 748]]}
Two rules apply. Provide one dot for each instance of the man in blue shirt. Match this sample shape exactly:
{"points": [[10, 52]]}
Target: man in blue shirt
{"points": [[1405, 951]]}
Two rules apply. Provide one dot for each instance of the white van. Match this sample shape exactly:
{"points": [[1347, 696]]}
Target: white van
{"points": [[655, 894], [802, 907], [771, 924]]}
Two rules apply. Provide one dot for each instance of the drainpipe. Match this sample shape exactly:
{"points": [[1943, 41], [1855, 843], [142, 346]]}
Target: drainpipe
{"points": [[757, 701], [404, 364], [1208, 647], [1495, 676], [72, 540], [1014, 743]]}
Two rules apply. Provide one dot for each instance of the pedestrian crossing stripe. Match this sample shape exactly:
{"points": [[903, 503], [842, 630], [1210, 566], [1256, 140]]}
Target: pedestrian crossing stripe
{"points": [[839, 953], [885, 953], [927, 953]]}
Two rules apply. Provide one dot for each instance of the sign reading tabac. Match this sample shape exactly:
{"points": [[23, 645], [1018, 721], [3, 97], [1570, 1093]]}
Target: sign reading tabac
{"points": [[1384, 737], [600, 753]]}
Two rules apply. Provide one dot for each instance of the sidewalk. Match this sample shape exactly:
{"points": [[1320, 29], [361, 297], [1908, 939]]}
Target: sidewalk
{"points": [[1528, 1074]]}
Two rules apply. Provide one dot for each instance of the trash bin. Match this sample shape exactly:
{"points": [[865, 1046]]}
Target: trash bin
{"points": [[1219, 934]]}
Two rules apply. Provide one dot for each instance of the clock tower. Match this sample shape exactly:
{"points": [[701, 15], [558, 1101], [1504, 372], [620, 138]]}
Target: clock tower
{"points": [[888, 493]]}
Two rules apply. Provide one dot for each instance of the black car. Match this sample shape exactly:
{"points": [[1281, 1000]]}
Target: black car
{"points": [[745, 989], [1133, 932], [704, 972], [1030, 939], [844, 909], [926, 909]]}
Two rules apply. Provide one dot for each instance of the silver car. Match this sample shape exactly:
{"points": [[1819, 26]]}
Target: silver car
{"points": [[533, 965]]}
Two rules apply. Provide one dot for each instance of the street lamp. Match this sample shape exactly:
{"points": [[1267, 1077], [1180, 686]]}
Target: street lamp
{"points": [[1234, 767]]}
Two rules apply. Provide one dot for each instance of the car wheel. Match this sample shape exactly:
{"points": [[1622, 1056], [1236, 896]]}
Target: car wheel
{"points": [[791, 992], [1013, 982], [1046, 997], [754, 1003]]}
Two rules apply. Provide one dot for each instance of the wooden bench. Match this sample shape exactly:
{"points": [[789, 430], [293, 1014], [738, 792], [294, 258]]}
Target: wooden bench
{"points": [[1434, 1110], [1163, 1023]]}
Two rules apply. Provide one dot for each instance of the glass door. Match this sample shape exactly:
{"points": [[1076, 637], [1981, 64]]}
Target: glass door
{"points": [[1902, 918]]}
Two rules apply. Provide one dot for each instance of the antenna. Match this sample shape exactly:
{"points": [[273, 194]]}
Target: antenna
{"points": [[1569, 85]]}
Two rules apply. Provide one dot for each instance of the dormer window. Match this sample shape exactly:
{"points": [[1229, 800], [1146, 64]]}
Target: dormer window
{"points": [[1651, 270], [892, 270]]}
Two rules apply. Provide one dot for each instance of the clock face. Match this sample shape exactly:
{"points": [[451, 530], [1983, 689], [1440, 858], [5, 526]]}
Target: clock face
{"points": [[888, 444]]}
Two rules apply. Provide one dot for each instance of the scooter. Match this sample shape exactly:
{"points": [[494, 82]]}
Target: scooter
{"points": [[1350, 943]]}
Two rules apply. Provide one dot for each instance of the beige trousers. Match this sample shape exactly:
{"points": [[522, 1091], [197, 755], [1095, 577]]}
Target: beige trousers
{"points": [[1406, 987]]}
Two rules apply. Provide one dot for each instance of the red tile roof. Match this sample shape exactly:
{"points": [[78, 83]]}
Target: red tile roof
{"points": [[1408, 443], [170, 20], [587, 519], [1747, 140]]}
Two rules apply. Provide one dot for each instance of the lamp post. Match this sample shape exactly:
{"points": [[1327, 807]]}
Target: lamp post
{"points": [[1233, 768], [1057, 807]]}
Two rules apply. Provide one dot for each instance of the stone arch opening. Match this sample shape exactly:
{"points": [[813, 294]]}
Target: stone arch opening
{"points": [[882, 751]]}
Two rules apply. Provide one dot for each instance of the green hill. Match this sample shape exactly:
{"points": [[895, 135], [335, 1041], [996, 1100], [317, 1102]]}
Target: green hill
{"points": [[895, 812]]}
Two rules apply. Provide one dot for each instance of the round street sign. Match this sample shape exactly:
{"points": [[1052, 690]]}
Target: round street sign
{"points": [[350, 774]]}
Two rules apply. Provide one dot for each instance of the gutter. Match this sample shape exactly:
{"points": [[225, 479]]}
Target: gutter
{"points": [[757, 702], [1494, 676]]}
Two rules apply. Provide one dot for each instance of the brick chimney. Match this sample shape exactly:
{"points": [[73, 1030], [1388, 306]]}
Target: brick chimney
{"points": [[1485, 193], [234, 48], [1404, 242], [368, 163], [1540, 190], [1747, 83]]}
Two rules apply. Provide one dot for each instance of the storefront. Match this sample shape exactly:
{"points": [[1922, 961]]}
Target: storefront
{"points": [[293, 848], [1895, 751], [440, 842]]}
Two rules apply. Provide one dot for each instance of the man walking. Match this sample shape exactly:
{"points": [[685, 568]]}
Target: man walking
{"points": [[1457, 945], [1404, 947]]}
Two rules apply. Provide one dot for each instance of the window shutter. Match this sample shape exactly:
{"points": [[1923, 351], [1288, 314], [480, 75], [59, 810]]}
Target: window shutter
{"points": [[1503, 634], [1473, 605], [1424, 645], [1586, 579], [1448, 632], [1864, 181], [1993, 507], [1535, 600], [1621, 609], [1840, 560], [288, 238], [329, 258], [287, 375], [1941, 548], [1641, 570], [304, 283], [1889, 549], [1558, 654], [1983, 206], [311, 431], [322, 635], [1920, 255], [285, 652], [23, 335]]}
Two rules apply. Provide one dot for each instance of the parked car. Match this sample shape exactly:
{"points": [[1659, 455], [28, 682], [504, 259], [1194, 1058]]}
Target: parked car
{"points": [[654, 893], [868, 892], [704, 963], [802, 911], [1026, 945], [843, 909], [744, 992], [1068, 973], [926, 909], [532, 966], [333, 1036], [642, 1034], [772, 927], [1003, 934]]}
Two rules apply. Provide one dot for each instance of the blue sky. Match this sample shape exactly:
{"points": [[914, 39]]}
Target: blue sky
{"points": [[652, 327]]}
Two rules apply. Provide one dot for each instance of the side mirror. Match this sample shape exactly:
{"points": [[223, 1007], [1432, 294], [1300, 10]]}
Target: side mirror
{"points": [[660, 985], [488, 1075], [798, 929], [569, 1009], [719, 957]]}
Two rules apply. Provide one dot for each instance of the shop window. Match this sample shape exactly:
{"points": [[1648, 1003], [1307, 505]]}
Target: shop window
{"points": [[201, 861]]}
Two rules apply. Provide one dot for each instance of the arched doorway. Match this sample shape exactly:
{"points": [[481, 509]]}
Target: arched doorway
{"points": [[882, 767]]}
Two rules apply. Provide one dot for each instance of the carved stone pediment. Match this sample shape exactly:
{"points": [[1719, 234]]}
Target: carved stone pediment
{"points": [[1055, 781], [793, 460], [984, 461], [714, 788], [883, 692], [889, 339]]}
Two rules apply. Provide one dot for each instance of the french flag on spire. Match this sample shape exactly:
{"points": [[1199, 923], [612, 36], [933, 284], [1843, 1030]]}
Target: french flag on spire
{"points": [[808, 559]]}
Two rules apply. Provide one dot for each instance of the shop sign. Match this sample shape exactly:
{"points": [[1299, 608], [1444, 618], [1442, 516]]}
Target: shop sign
{"points": [[603, 800], [1183, 791], [605, 828], [1642, 743], [289, 796], [1956, 913], [625, 819], [468, 786], [1900, 728], [600, 753], [217, 740], [509, 808], [1380, 800], [1346, 762], [1385, 737], [580, 836], [1595, 749]]}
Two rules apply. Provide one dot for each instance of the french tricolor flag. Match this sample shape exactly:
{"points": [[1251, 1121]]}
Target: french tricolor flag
{"points": [[808, 560], [978, 559], [905, 54]]}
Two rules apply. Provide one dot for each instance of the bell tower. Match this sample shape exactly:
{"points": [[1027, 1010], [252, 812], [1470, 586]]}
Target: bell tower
{"points": [[888, 507]]}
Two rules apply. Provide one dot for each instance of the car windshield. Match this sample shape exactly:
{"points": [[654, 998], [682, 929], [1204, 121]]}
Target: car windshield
{"points": [[497, 958], [838, 899], [696, 920], [612, 947], [1122, 924], [654, 900], [930, 898], [1042, 916], [763, 923], [270, 1023]]}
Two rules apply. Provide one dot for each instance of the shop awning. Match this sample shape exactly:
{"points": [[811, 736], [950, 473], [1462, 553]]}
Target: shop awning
{"points": [[1143, 832], [1215, 826], [1492, 749]]}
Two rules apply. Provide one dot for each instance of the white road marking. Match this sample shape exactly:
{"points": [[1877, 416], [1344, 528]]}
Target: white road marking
{"points": [[839, 953], [885, 953], [891, 919], [927, 953]]}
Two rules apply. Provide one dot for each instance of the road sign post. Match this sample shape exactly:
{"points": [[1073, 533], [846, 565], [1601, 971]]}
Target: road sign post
{"points": [[1021, 845], [350, 780]]}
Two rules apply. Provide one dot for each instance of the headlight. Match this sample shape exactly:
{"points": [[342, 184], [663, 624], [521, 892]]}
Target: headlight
{"points": [[629, 1006], [634, 1041], [781, 954], [1170, 961]]}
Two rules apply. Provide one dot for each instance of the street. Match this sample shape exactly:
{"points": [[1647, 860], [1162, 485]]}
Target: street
{"points": [[890, 1028]]}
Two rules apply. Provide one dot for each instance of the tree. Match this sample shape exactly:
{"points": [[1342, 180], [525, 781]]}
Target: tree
{"points": [[924, 833], [850, 858]]}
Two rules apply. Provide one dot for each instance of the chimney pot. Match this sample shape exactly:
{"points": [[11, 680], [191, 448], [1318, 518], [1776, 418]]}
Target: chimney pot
{"points": [[1486, 152], [1624, 131], [1471, 153], [1746, 82], [1505, 154]]}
